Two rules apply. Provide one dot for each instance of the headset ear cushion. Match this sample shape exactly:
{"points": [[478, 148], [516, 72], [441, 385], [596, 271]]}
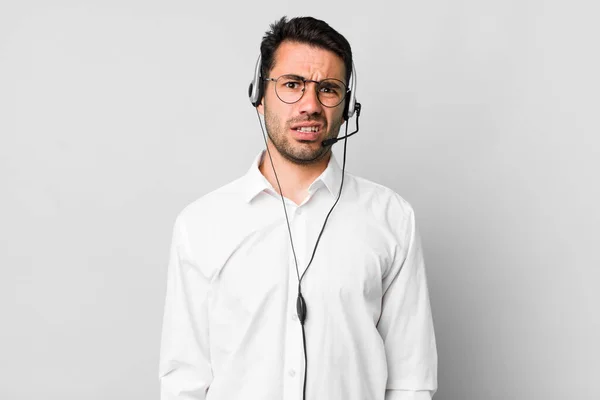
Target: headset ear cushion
{"points": [[261, 92], [347, 105]]}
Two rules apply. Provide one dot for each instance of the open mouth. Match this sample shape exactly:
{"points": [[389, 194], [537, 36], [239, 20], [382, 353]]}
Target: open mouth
{"points": [[306, 133], [307, 129]]}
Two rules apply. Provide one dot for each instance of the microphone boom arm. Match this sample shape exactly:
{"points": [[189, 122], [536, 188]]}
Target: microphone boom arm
{"points": [[329, 142]]}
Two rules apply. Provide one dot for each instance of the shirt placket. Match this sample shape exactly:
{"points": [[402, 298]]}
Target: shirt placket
{"points": [[293, 375]]}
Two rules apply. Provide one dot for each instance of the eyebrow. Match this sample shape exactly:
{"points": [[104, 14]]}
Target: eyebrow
{"points": [[299, 77], [295, 76], [334, 83]]}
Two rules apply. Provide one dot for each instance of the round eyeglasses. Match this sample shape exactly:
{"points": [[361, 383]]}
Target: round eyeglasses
{"points": [[290, 89]]}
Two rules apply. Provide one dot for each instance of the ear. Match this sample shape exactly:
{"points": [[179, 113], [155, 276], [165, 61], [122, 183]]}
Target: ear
{"points": [[261, 107]]}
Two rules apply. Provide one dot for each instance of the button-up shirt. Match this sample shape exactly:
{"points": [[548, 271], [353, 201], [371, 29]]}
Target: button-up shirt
{"points": [[230, 328]]}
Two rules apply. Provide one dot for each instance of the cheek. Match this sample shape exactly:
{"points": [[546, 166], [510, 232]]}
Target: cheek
{"points": [[276, 109], [276, 116], [334, 116]]}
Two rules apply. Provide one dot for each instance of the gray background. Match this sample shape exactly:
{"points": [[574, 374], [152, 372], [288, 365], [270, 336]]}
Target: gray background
{"points": [[116, 114]]}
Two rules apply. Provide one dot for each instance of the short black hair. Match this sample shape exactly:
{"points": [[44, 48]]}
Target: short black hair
{"points": [[307, 30]]}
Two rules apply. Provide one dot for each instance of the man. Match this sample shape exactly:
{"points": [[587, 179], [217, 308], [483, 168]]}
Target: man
{"points": [[265, 300]]}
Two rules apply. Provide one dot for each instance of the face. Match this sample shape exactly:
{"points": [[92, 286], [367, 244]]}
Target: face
{"points": [[297, 130]]}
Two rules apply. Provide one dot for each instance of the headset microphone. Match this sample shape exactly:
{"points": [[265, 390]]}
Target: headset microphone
{"points": [[329, 142]]}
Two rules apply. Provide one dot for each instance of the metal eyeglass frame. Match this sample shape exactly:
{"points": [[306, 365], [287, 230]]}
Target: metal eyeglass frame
{"points": [[304, 80]]}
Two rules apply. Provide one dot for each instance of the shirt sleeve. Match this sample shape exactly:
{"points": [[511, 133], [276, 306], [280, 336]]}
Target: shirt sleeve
{"points": [[406, 323], [184, 370]]}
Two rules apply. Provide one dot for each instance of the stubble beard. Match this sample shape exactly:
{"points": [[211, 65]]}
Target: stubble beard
{"points": [[293, 152]]}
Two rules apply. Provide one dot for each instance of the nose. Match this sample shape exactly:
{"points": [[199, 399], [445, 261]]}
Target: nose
{"points": [[309, 103]]}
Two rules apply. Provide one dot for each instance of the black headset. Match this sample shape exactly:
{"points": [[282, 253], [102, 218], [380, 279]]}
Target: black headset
{"points": [[256, 91]]}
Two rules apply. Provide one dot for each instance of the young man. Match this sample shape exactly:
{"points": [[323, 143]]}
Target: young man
{"points": [[255, 309]]}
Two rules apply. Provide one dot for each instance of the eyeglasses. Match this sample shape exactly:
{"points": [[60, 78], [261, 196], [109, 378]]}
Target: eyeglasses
{"points": [[290, 89]]}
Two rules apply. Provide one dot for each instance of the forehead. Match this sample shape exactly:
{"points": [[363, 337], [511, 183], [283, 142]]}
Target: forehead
{"points": [[308, 61]]}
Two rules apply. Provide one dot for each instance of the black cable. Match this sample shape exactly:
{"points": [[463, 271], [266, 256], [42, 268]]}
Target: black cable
{"points": [[281, 193], [338, 197], [300, 303], [305, 363]]}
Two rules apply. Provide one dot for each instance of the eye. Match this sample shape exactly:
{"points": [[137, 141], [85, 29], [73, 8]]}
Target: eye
{"points": [[330, 89], [291, 84]]}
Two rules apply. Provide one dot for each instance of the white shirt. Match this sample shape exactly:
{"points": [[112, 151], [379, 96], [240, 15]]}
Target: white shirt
{"points": [[230, 329]]}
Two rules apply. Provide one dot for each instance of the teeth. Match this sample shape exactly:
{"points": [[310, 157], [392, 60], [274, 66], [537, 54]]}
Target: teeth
{"points": [[308, 129]]}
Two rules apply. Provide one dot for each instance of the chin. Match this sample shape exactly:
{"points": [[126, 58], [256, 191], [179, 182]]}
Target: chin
{"points": [[308, 157]]}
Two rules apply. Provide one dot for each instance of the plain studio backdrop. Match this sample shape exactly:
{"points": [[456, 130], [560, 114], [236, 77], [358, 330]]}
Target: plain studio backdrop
{"points": [[114, 115]]}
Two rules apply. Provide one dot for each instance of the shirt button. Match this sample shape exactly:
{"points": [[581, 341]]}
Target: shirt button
{"points": [[292, 373], [295, 316]]}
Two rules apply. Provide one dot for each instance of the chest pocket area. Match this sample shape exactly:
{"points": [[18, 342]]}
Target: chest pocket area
{"points": [[347, 278]]}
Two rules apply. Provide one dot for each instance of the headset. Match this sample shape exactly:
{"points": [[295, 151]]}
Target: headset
{"points": [[256, 91], [351, 106]]}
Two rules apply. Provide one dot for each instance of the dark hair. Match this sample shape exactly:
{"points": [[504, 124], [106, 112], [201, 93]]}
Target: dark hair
{"points": [[306, 30]]}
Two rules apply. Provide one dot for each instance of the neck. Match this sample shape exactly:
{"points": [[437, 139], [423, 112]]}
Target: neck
{"points": [[294, 179]]}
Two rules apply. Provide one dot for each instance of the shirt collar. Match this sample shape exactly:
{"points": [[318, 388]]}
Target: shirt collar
{"points": [[254, 181]]}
